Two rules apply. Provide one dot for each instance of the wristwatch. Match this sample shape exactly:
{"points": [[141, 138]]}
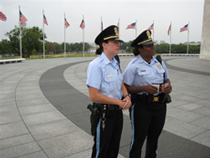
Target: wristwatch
{"points": [[127, 95]]}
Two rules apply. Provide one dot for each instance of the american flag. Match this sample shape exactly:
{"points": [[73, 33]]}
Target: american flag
{"points": [[131, 26], [45, 20], [66, 23], [169, 29], [151, 27], [185, 28], [22, 19], [82, 25], [2, 16]]}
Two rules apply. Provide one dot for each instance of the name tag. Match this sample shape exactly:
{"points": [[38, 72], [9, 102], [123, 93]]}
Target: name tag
{"points": [[109, 76]]}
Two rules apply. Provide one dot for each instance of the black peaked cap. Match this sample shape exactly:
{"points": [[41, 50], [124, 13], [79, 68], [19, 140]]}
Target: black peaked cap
{"points": [[110, 33]]}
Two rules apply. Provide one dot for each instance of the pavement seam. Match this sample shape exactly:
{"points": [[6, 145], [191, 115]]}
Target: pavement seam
{"points": [[21, 114]]}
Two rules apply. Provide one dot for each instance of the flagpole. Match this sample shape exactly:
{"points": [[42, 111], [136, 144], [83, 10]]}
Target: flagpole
{"points": [[136, 30], [43, 35], [188, 38], [64, 36], [101, 24], [170, 38], [153, 30], [83, 38], [20, 35]]}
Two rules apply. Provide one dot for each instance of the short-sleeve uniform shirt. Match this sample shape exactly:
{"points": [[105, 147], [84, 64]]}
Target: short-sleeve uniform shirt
{"points": [[106, 76], [140, 73]]}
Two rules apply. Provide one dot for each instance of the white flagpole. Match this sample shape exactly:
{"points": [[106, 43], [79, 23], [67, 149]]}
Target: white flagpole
{"points": [[153, 30], [64, 36], [43, 35], [101, 25], [188, 38], [136, 30], [170, 38], [83, 39], [20, 35]]}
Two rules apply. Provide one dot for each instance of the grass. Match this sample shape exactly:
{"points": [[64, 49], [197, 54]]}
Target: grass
{"points": [[40, 56]]}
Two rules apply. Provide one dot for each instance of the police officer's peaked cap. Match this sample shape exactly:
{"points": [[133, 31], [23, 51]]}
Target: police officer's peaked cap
{"points": [[143, 39], [110, 33]]}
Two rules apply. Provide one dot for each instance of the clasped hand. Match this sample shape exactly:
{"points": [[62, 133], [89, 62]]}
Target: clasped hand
{"points": [[125, 103]]}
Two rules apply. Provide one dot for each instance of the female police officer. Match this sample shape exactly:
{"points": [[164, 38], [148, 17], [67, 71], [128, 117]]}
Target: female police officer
{"points": [[106, 89], [147, 81]]}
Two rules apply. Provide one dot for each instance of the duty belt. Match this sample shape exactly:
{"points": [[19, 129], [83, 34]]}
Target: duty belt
{"points": [[148, 98], [108, 106]]}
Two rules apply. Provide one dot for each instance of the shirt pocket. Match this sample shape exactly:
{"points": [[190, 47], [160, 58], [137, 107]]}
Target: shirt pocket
{"points": [[142, 72], [109, 83], [160, 71], [159, 75]]}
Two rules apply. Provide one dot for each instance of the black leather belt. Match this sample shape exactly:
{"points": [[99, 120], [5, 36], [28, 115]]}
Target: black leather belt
{"points": [[148, 98], [107, 106]]}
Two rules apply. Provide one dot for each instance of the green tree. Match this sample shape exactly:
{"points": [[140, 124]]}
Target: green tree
{"points": [[58, 47], [30, 40], [5, 47], [162, 48]]}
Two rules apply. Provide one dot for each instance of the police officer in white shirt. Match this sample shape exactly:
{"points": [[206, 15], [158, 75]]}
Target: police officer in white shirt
{"points": [[147, 81], [108, 93]]}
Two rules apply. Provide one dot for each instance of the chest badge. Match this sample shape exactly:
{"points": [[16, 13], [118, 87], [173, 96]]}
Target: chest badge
{"points": [[159, 66]]}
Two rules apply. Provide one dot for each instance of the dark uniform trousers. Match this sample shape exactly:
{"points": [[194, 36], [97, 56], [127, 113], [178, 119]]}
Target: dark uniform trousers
{"points": [[107, 140], [147, 123]]}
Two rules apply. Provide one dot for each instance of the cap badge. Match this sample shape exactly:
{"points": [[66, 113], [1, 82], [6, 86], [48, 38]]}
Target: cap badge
{"points": [[148, 34], [116, 31]]}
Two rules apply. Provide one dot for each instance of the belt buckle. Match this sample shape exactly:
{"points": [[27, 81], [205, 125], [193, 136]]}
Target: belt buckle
{"points": [[155, 99]]}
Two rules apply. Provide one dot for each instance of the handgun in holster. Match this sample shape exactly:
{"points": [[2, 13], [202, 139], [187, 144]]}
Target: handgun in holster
{"points": [[94, 118]]}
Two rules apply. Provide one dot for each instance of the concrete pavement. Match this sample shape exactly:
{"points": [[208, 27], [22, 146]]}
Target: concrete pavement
{"points": [[43, 110]]}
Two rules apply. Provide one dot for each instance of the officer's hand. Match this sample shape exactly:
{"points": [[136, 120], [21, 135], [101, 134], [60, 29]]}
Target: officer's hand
{"points": [[168, 89], [151, 89], [127, 102], [121, 104]]}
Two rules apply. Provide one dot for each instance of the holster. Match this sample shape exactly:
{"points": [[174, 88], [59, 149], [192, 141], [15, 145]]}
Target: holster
{"points": [[94, 121], [167, 98], [94, 117]]}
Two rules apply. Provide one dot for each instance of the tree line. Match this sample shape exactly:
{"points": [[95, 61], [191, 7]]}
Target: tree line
{"points": [[32, 44], [164, 48]]}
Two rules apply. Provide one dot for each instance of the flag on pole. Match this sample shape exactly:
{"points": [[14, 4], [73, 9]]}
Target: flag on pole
{"points": [[131, 26], [82, 25], [66, 23], [169, 29], [185, 28], [22, 19], [2, 16], [151, 27], [45, 20]]}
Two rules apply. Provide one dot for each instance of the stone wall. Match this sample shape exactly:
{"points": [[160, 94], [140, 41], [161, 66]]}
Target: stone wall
{"points": [[205, 41]]}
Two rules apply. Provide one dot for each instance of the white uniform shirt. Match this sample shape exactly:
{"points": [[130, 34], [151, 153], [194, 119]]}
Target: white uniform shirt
{"points": [[140, 73], [106, 76]]}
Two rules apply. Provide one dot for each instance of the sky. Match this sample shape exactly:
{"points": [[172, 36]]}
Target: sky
{"points": [[144, 12]]}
